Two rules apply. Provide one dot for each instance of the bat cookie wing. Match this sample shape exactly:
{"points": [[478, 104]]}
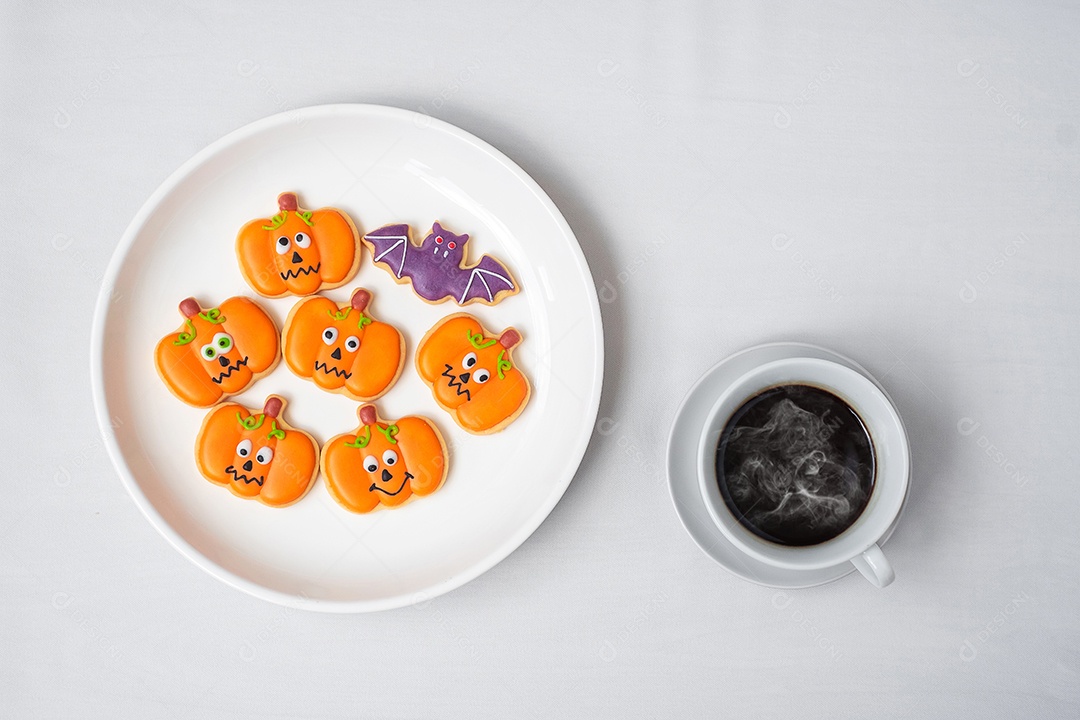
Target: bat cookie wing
{"points": [[390, 247], [488, 281]]}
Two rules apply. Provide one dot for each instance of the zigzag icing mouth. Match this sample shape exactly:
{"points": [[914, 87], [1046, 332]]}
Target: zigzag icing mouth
{"points": [[332, 370], [374, 487], [237, 475], [452, 381], [297, 272], [227, 372]]}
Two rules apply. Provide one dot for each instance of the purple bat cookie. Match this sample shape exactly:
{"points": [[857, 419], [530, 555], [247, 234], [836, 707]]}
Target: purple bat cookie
{"points": [[436, 267]]}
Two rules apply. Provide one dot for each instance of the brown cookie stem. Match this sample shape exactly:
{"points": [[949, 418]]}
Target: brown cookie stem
{"points": [[367, 414], [509, 338], [360, 299], [273, 406], [189, 308], [287, 202]]}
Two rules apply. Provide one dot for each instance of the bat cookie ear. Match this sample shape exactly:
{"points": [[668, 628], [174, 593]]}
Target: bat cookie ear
{"points": [[438, 229]]}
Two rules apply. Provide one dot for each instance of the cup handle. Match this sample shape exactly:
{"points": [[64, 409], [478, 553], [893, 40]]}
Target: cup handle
{"points": [[874, 567]]}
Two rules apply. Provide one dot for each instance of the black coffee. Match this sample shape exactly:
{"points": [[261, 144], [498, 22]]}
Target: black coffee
{"points": [[795, 465]]}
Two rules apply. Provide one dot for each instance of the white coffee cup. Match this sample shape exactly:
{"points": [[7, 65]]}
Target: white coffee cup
{"points": [[858, 544]]}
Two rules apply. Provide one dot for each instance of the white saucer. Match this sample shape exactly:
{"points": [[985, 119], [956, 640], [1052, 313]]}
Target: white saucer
{"points": [[683, 474]]}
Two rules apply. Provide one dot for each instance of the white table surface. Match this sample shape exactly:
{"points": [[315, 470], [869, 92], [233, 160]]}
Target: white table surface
{"points": [[897, 182]]}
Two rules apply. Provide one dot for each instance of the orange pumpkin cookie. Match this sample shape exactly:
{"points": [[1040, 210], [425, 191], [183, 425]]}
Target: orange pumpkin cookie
{"points": [[471, 373], [342, 349], [384, 464], [257, 455], [298, 252], [217, 352]]}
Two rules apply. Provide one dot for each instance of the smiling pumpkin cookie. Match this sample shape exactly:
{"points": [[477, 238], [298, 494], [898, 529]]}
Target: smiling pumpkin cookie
{"points": [[384, 464]]}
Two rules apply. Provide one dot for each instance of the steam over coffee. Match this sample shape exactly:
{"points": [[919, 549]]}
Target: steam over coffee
{"points": [[795, 465]]}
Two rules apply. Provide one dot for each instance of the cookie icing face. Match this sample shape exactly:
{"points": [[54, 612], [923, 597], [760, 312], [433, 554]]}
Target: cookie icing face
{"points": [[472, 374], [343, 349], [445, 246], [382, 464], [217, 352], [256, 454], [297, 251]]}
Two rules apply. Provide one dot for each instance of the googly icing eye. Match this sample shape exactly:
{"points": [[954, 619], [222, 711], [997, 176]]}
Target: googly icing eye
{"points": [[302, 240], [468, 361], [282, 245], [389, 457], [243, 448], [438, 240], [371, 464], [329, 335], [208, 351], [481, 376], [222, 342], [451, 245], [264, 456], [352, 343]]}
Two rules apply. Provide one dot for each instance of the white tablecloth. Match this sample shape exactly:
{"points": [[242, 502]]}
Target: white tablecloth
{"points": [[897, 182]]}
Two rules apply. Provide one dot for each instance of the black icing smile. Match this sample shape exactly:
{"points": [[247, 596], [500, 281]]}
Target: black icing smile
{"points": [[456, 382], [408, 477], [332, 370], [229, 369], [237, 475], [297, 272]]}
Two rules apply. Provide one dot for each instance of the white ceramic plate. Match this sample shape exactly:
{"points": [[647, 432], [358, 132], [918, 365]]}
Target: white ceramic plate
{"points": [[380, 165], [682, 467]]}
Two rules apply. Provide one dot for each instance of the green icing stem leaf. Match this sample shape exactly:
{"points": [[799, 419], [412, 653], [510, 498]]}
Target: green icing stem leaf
{"points": [[361, 440], [183, 338], [477, 341], [364, 320], [252, 422], [502, 365], [277, 221], [339, 314], [275, 432], [305, 216], [389, 431], [213, 316]]}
